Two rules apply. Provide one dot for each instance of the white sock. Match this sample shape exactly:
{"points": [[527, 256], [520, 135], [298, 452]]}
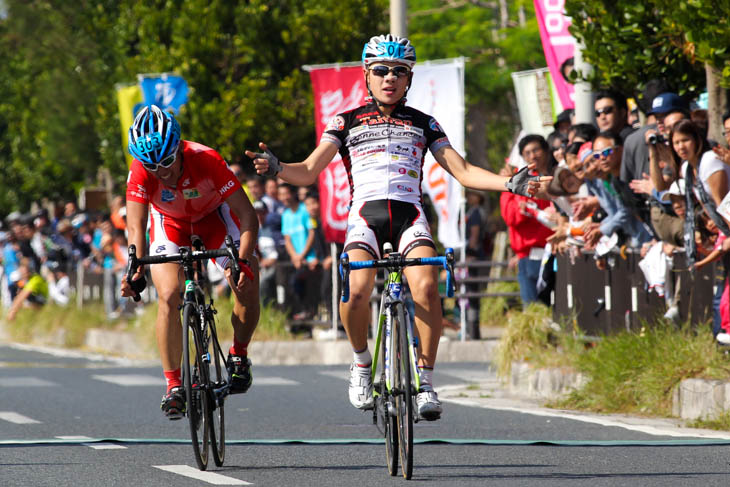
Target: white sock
{"points": [[363, 358], [425, 374]]}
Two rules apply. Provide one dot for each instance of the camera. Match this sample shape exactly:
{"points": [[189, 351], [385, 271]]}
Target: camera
{"points": [[655, 139]]}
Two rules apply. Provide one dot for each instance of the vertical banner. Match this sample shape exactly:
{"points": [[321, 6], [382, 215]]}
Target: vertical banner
{"points": [[129, 97], [166, 90], [340, 88], [557, 43], [336, 90], [536, 100]]}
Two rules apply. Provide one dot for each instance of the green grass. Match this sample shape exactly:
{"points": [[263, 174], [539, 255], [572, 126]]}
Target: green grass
{"points": [[629, 372], [721, 423], [492, 310], [67, 326], [637, 372]]}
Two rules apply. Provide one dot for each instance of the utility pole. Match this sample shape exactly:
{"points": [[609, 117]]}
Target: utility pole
{"points": [[583, 93], [398, 18]]}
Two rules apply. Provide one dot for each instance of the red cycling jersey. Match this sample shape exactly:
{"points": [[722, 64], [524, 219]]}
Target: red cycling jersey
{"points": [[206, 182], [196, 206]]}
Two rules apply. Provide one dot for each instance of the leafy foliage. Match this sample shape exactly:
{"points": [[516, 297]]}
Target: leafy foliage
{"points": [[630, 43], [59, 120]]}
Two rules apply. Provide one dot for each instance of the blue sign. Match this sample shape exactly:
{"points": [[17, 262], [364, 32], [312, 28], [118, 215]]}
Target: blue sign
{"points": [[167, 91]]}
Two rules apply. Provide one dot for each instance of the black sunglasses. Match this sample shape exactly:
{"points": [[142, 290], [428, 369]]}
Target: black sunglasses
{"points": [[382, 71], [606, 110]]}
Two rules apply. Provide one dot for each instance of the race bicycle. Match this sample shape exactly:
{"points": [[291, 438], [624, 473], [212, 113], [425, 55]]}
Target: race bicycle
{"points": [[395, 354], [205, 378]]}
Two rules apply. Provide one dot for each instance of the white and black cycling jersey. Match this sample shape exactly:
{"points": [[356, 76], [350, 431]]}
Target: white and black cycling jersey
{"points": [[383, 155]]}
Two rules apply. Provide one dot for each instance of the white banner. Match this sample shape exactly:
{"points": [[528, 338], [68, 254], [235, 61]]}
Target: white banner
{"points": [[438, 90]]}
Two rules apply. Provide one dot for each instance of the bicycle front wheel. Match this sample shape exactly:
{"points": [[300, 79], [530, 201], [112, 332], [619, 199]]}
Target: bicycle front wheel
{"points": [[195, 380], [404, 398], [218, 377], [385, 410]]}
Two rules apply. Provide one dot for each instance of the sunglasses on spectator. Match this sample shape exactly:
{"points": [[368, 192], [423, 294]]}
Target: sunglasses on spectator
{"points": [[606, 110], [382, 71], [164, 163], [604, 153]]}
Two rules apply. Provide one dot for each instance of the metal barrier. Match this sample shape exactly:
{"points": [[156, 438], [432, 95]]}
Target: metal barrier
{"points": [[602, 302]]}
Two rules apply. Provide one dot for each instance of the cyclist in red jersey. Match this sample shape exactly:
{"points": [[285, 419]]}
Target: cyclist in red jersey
{"points": [[188, 191], [383, 144]]}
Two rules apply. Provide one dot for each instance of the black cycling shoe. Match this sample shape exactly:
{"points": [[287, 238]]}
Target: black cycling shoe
{"points": [[239, 369], [173, 403]]}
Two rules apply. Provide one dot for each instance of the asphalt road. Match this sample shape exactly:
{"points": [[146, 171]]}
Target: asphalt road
{"points": [[54, 410]]}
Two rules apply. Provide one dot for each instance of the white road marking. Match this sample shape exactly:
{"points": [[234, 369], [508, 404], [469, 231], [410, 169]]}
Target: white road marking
{"points": [[24, 382], [600, 420], [95, 446], [209, 477], [274, 381], [13, 417], [131, 380]]}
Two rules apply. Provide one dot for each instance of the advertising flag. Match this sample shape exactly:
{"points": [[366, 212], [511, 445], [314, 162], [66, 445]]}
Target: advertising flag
{"points": [[166, 90], [129, 98], [557, 43]]}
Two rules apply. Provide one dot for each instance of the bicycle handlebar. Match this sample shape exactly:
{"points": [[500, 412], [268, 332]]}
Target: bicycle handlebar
{"points": [[185, 255], [396, 261]]}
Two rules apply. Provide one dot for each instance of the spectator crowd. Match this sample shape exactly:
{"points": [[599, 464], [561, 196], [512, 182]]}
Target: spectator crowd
{"points": [[43, 252], [658, 189]]}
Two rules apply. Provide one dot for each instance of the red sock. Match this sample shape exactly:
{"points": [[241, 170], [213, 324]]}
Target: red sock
{"points": [[172, 377], [238, 348]]}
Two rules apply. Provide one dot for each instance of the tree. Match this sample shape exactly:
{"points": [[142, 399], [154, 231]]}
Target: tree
{"points": [[242, 59]]}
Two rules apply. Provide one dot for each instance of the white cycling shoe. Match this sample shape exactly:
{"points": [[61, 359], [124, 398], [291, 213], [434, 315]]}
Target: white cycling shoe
{"points": [[361, 387], [429, 406]]}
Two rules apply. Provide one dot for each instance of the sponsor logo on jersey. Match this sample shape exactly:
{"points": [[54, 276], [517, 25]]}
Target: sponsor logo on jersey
{"points": [[401, 170], [191, 193], [366, 115], [186, 182], [388, 120], [226, 187], [166, 196], [421, 235], [404, 188], [434, 125], [159, 249], [337, 124], [412, 173]]}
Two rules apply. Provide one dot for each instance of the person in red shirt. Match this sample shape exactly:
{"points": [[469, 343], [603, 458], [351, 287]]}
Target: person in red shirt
{"points": [[188, 190], [527, 235]]}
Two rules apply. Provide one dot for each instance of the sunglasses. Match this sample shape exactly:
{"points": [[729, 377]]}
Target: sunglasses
{"points": [[382, 71], [164, 163], [606, 110], [604, 153]]}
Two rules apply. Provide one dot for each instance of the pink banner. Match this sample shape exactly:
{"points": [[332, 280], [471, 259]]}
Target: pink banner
{"points": [[557, 43], [335, 90]]}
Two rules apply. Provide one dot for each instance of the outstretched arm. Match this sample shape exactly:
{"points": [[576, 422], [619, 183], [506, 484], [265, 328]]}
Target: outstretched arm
{"points": [[299, 173], [475, 177]]}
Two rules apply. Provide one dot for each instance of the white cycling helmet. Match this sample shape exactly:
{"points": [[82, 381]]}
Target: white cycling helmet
{"points": [[389, 48]]}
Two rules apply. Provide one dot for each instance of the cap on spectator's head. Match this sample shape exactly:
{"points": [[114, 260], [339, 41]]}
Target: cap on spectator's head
{"points": [[259, 206], [585, 151], [79, 220], [122, 211], [668, 102], [14, 217], [676, 189]]}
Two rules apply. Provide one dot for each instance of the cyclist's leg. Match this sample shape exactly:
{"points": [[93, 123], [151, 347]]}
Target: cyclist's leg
{"points": [[423, 283], [165, 238]]}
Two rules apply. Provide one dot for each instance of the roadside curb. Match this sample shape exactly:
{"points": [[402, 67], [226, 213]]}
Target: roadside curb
{"points": [[294, 352], [691, 399]]}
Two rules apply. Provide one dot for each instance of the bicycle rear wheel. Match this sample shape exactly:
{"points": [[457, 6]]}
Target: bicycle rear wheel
{"points": [[218, 379], [404, 398], [195, 380]]}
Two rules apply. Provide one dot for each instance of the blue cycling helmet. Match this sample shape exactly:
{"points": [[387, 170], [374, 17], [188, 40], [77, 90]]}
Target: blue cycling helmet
{"points": [[389, 48], [154, 135]]}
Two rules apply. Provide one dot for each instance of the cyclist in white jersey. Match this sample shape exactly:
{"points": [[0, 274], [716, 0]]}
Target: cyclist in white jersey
{"points": [[382, 145]]}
